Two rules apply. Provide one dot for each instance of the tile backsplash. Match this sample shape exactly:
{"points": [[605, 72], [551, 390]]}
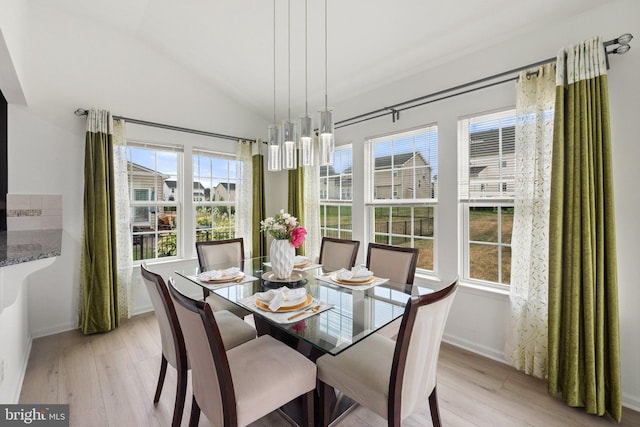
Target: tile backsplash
{"points": [[34, 212]]}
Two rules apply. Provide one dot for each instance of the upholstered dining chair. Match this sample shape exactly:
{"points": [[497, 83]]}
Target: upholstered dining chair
{"points": [[241, 385], [396, 263], [392, 378], [338, 253], [215, 252], [234, 331]]}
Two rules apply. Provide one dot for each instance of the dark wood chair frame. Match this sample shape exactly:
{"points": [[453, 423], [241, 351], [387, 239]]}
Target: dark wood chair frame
{"points": [[181, 352], [414, 260], [394, 403], [222, 367], [354, 255]]}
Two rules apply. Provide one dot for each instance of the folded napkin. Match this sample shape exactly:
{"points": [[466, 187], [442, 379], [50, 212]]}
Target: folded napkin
{"points": [[276, 298], [219, 274], [356, 273], [300, 259]]}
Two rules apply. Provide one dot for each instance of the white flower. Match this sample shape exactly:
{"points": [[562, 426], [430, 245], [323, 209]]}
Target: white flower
{"points": [[280, 226]]}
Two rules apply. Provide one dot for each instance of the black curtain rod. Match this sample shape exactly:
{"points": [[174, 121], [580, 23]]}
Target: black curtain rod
{"points": [[83, 112], [394, 111]]}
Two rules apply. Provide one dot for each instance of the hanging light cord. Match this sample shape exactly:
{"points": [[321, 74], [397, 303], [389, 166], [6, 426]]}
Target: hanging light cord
{"points": [[325, 56], [289, 53], [274, 61], [306, 60]]}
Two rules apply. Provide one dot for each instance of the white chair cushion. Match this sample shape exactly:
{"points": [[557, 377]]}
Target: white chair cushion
{"points": [[267, 374], [361, 372], [233, 330]]}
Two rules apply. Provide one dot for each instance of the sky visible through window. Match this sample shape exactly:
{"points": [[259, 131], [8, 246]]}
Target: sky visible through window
{"points": [[423, 143], [209, 170], [167, 161]]}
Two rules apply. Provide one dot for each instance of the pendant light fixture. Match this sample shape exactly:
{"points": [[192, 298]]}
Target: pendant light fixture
{"points": [[325, 131], [306, 122], [274, 129], [289, 150]]}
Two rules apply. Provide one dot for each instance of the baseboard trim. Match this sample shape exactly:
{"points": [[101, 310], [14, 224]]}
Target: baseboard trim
{"points": [[631, 402], [56, 329], [628, 401], [485, 351], [23, 369]]}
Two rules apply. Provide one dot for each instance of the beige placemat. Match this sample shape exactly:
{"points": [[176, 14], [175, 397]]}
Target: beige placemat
{"points": [[250, 303], [376, 281], [246, 278]]}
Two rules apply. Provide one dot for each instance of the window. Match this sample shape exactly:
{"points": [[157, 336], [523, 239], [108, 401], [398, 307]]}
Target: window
{"points": [[402, 190], [214, 195], [336, 195], [487, 167], [154, 215], [141, 215]]}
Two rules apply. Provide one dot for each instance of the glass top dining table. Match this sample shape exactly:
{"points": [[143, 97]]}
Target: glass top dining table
{"points": [[354, 315]]}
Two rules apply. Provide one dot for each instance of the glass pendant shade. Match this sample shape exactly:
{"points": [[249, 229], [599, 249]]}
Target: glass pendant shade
{"points": [[274, 148], [326, 139], [306, 141], [289, 151]]}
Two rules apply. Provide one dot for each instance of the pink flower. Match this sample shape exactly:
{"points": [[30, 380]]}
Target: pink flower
{"points": [[297, 236], [298, 327]]}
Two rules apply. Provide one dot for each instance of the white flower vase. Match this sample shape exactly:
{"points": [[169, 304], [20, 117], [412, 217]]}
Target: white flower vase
{"points": [[282, 254]]}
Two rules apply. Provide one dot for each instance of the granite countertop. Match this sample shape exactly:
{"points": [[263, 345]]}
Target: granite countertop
{"points": [[17, 247]]}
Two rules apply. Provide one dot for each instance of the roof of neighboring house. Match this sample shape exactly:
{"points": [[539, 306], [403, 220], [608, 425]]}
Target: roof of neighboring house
{"points": [[397, 159], [134, 165], [228, 185], [171, 183], [327, 170], [485, 143], [475, 170]]}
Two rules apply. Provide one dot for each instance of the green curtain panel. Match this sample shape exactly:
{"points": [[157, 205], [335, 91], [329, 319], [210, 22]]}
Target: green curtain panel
{"points": [[259, 240], [296, 198], [99, 293], [584, 354]]}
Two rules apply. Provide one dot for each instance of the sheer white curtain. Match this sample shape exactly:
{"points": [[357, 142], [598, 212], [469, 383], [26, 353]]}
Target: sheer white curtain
{"points": [[244, 201], [123, 232], [312, 208], [526, 344]]}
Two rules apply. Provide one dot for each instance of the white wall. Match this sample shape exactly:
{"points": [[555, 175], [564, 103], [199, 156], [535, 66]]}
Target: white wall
{"points": [[12, 33], [16, 344], [14, 326], [478, 318]]}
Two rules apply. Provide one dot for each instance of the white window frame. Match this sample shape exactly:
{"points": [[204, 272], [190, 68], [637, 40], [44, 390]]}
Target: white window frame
{"points": [[231, 230], [492, 201], [155, 204], [372, 202], [345, 199]]}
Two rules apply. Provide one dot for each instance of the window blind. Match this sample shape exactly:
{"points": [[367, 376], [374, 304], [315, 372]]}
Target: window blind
{"points": [[487, 156]]}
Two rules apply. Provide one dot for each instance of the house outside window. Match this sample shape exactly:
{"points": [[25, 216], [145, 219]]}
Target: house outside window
{"points": [[336, 183], [486, 185], [402, 191], [154, 215], [214, 195]]}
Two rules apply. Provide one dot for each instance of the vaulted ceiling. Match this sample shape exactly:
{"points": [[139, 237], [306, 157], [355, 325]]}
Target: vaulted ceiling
{"points": [[230, 44]]}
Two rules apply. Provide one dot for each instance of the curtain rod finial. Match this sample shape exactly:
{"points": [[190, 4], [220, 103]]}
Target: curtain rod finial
{"points": [[80, 112]]}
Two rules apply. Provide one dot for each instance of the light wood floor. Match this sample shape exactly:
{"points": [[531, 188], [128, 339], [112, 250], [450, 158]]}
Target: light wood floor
{"points": [[109, 380]]}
